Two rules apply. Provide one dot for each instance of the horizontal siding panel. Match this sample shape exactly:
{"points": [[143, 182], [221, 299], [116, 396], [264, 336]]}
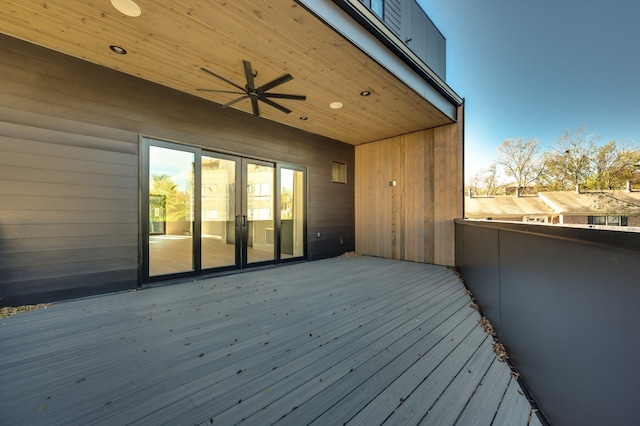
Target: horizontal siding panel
{"points": [[64, 129], [23, 174], [55, 217], [34, 245], [25, 202], [52, 258], [57, 288], [66, 230], [17, 274], [50, 161], [69, 145], [38, 189]]}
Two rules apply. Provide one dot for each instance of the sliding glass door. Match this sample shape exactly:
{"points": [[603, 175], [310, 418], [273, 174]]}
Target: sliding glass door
{"points": [[219, 208], [211, 211], [171, 210], [292, 212], [258, 212]]}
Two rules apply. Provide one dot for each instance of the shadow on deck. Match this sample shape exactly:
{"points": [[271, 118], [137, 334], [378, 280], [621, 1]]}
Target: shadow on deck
{"points": [[340, 341]]}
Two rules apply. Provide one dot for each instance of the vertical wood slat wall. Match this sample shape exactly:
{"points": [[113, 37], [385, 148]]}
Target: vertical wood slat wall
{"points": [[69, 170], [414, 219]]}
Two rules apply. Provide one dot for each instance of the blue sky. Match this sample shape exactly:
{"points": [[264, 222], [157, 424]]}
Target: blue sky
{"points": [[536, 68]]}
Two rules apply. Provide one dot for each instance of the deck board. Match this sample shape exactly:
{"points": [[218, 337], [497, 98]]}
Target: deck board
{"points": [[327, 342]]}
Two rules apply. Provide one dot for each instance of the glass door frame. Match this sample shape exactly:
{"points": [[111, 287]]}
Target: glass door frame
{"points": [[278, 225], [240, 207], [243, 247], [144, 205]]}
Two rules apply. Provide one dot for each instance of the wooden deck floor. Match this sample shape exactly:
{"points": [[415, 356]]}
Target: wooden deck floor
{"points": [[359, 341]]}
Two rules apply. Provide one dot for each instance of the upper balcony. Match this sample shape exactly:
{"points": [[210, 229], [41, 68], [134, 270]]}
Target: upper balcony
{"points": [[408, 22]]}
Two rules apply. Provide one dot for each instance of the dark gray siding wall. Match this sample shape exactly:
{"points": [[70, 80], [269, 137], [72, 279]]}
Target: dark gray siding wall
{"points": [[68, 213], [69, 170], [393, 15]]}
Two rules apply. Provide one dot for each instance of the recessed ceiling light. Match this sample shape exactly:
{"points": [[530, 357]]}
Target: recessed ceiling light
{"points": [[365, 93], [303, 118], [119, 50], [336, 105], [127, 7]]}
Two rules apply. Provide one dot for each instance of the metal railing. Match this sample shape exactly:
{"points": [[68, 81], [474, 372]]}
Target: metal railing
{"points": [[566, 304]]}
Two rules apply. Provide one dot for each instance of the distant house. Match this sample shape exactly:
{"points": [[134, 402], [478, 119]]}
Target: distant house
{"points": [[608, 208], [605, 208], [526, 208]]}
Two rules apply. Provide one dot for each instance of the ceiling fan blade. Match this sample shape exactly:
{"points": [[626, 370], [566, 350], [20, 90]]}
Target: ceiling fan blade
{"points": [[220, 91], [284, 96], [275, 105], [223, 79], [234, 101], [277, 82], [254, 106], [248, 72]]}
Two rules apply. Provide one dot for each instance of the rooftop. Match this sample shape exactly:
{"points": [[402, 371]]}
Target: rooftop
{"points": [[346, 340]]}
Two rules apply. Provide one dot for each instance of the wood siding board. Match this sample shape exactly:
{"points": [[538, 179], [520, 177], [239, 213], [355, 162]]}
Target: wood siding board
{"points": [[68, 177], [418, 223], [66, 145], [85, 242], [52, 289], [36, 231], [42, 259], [48, 161], [90, 134], [126, 260], [50, 216], [26, 202]]}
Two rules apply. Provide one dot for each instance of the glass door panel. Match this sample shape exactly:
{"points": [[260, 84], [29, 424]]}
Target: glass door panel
{"points": [[211, 210], [291, 213], [171, 210], [259, 232], [218, 205]]}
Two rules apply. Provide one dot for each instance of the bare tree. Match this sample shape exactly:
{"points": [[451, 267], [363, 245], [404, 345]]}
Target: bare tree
{"points": [[485, 181], [574, 153], [521, 160]]}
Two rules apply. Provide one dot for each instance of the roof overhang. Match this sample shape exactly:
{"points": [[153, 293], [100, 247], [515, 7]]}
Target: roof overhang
{"points": [[331, 55]]}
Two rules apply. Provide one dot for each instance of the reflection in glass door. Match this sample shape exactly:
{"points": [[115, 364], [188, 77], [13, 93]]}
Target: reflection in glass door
{"points": [[171, 210], [292, 225], [218, 195], [258, 213]]}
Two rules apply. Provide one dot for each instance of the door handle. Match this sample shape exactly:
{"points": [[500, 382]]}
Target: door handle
{"points": [[238, 221], [244, 220]]}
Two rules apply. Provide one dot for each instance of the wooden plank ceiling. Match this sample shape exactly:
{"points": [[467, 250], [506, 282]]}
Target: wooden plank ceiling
{"points": [[172, 40]]}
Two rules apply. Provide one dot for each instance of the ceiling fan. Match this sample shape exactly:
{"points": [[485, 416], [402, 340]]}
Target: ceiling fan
{"points": [[255, 94]]}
